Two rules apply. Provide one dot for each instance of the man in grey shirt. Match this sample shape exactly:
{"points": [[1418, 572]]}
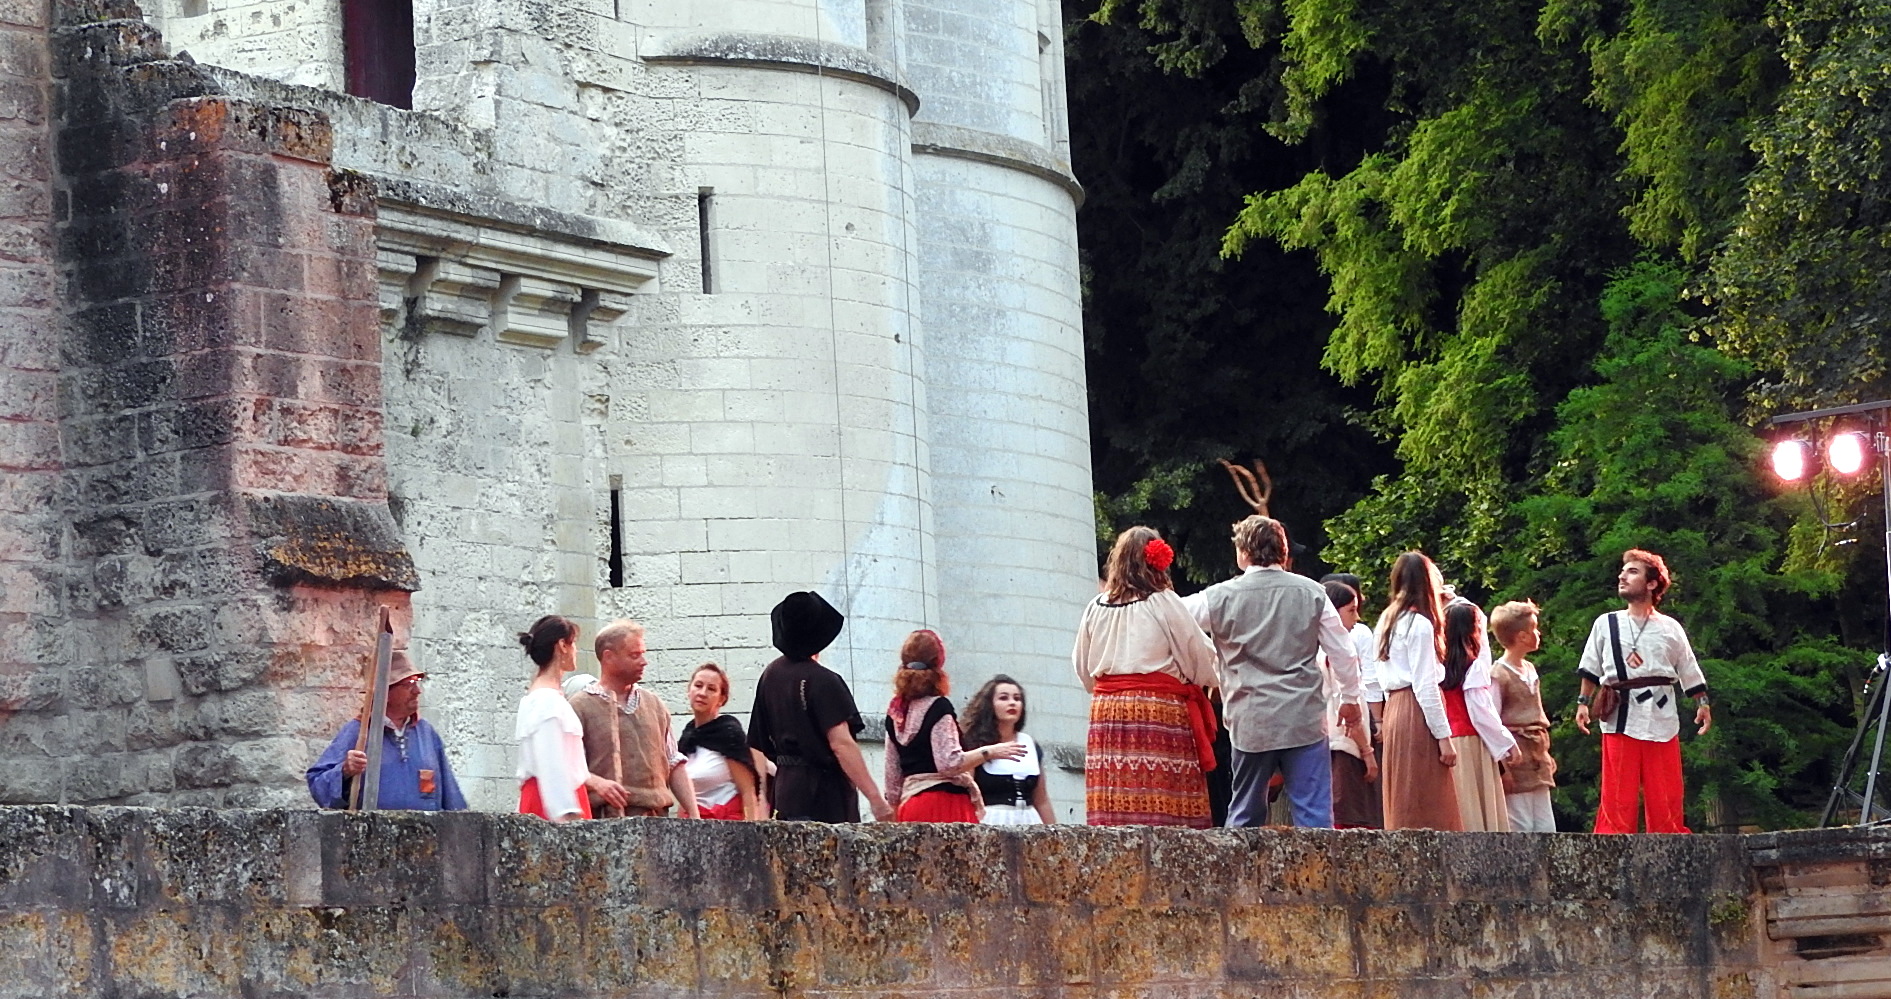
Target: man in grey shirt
{"points": [[1269, 627]]}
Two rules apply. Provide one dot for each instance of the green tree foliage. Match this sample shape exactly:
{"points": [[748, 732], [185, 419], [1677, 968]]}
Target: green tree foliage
{"points": [[1562, 246], [1190, 358], [1803, 284]]}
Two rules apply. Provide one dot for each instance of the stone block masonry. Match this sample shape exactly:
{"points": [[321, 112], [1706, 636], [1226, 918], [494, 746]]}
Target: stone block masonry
{"points": [[204, 508], [202, 903]]}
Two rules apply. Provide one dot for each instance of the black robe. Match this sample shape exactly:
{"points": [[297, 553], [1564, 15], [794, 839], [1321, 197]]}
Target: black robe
{"points": [[796, 702]]}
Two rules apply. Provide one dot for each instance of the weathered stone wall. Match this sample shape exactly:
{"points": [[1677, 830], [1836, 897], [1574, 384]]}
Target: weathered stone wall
{"points": [[1828, 912], [116, 902], [218, 535], [32, 646]]}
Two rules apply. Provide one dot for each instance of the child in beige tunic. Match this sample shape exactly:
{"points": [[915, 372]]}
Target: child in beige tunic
{"points": [[1527, 782]]}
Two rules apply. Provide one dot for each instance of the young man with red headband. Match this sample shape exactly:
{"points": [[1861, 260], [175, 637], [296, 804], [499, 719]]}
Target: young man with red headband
{"points": [[1631, 666]]}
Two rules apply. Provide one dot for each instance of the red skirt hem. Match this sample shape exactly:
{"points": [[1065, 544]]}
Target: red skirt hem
{"points": [[937, 806], [531, 804]]}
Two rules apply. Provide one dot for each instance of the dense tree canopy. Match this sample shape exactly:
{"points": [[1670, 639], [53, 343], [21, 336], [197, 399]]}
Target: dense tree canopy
{"points": [[1569, 253]]}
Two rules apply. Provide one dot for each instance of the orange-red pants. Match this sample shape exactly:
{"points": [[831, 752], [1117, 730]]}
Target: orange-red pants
{"points": [[1651, 771]]}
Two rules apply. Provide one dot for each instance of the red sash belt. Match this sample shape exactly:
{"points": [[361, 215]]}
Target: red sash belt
{"points": [[1201, 714]]}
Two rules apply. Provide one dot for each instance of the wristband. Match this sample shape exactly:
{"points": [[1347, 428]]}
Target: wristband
{"points": [[1702, 699], [1584, 699]]}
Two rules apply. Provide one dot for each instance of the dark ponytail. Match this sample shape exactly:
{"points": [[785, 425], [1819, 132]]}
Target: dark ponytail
{"points": [[541, 640]]}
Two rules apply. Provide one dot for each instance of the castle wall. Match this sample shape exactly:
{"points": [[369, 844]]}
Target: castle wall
{"points": [[671, 257], [33, 653], [161, 904], [208, 522], [1011, 452]]}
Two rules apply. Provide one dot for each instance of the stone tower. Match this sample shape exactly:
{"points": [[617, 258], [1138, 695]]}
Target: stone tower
{"points": [[623, 308]]}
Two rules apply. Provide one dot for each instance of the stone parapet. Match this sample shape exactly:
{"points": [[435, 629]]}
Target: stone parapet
{"points": [[208, 903]]}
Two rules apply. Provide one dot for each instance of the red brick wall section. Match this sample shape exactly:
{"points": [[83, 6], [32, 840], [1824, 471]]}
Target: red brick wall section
{"points": [[220, 402]]}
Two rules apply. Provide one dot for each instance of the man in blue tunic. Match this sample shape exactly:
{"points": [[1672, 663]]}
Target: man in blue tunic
{"points": [[415, 773]]}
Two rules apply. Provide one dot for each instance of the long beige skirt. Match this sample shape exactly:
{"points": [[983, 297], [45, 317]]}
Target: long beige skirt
{"points": [[1419, 792], [1480, 787]]}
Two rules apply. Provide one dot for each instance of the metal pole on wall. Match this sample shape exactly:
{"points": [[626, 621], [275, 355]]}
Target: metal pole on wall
{"points": [[1881, 443]]}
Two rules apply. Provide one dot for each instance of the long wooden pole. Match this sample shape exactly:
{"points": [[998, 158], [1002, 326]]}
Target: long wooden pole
{"points": [[367, 796]]}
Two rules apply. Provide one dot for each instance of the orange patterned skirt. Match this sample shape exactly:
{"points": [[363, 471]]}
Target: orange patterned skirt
{"points": [[1141, 767]]}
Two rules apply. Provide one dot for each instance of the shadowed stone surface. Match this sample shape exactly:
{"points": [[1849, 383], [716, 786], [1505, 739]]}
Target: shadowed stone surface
{"points": [[201, 902]]}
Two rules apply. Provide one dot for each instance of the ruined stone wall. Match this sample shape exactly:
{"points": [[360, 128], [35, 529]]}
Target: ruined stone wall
{"points": [[218, 533], [214, 904]]}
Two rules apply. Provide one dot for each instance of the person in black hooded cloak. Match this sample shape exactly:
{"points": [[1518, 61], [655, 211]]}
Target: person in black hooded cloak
{"points": [[805, 721]]}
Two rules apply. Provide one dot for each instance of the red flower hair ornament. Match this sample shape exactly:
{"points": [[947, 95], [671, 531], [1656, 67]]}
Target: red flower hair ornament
{"points": [[1159, 555]]}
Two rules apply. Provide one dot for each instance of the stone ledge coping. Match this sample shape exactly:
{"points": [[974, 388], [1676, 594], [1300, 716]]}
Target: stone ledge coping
{"points": [[786, 52], [194, 902], [1000, 150], [118, 857]]}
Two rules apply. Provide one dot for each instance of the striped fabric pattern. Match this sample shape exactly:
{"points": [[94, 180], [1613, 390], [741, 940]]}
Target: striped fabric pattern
{"points": [[1141, 767]]}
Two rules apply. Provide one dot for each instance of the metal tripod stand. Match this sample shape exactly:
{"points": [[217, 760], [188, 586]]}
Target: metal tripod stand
{"points": [[1875, 716]]}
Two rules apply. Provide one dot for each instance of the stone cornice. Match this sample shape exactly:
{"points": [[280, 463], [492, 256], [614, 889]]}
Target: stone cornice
{"points": [[935, 139], [783, 52]]}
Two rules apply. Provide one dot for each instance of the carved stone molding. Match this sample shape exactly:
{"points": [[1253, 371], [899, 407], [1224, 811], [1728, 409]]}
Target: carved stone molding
{"points": [[445, 272]]}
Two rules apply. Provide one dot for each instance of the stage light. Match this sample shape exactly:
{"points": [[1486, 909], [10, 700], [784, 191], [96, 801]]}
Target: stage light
{"points": [[1792, 459], [1845, 453]]}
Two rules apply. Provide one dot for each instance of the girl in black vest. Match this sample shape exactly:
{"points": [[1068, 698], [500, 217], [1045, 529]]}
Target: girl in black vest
{"points": [[1013, 789], [928, 775]]}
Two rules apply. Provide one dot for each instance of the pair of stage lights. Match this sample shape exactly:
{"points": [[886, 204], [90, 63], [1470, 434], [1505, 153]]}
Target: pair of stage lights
{"points": [[1846, 453]]}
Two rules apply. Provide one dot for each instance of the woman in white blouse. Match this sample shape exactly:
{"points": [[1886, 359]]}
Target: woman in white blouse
{"points": [[1415, 765], [720, 767], [1144, 661], [552, 768]]}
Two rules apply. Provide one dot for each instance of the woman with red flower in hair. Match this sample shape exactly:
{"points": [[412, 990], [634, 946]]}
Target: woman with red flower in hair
{"points": [[1145, 661], [928, 776]]}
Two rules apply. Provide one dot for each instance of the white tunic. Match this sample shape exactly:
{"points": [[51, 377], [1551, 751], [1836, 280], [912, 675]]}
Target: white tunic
{"points": [[709, 774], [1664, 650], [551, 748]]}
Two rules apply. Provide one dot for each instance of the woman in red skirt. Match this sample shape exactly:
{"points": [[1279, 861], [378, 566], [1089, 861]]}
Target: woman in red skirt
{"points": [[928, 775], [1145, 662], [720, 766], [552, 768]]}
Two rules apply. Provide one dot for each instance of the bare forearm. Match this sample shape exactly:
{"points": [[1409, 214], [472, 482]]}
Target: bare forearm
{"points": [[745, 783], [685, 792], [854, 765]]}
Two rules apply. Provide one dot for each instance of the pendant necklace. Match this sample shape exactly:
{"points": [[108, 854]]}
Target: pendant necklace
{"points": [[1634, 657]]}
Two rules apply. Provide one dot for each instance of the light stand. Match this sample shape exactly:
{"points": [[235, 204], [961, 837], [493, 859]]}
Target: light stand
{"points": [[1877, 713]]}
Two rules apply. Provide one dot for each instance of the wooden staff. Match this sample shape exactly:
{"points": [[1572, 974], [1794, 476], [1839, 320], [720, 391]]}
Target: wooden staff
{"points": [[367, 790]]}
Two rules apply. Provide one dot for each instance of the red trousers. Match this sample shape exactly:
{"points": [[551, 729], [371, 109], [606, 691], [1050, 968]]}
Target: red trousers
{"points": [[1653, 769]]}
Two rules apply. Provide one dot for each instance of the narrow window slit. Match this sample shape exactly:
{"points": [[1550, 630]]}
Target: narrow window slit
{"points": [[617, 533], [703, 196]]}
